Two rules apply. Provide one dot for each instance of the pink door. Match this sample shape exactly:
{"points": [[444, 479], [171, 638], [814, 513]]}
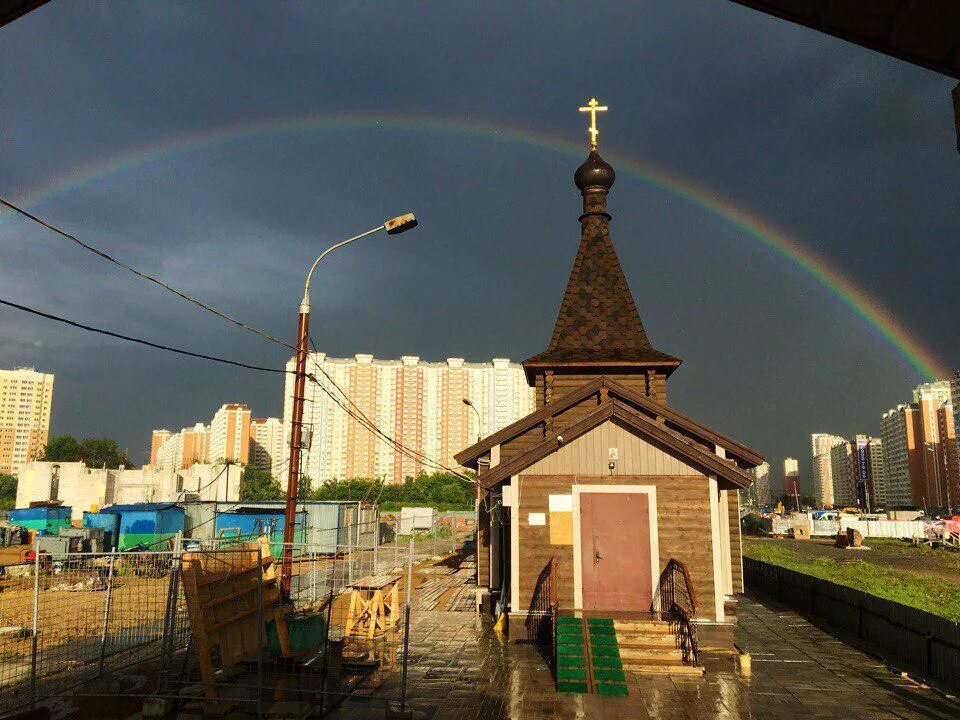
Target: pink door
{"points": [[615, 551]]}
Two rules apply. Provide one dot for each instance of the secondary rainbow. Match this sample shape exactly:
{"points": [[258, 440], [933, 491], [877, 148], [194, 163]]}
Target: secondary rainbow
{"points": [[766, 233]]}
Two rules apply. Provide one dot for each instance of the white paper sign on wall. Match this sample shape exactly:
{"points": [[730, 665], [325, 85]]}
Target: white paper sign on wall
{"points": [[561, 503], [537, 519]]}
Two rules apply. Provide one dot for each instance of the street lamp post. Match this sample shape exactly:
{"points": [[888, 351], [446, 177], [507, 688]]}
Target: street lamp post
{"points": [[394, 226], [466, 401]]}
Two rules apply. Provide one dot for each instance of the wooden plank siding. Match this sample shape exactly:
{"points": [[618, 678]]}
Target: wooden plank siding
{"points": [[736, 547], [683, 520], [563, 383]]}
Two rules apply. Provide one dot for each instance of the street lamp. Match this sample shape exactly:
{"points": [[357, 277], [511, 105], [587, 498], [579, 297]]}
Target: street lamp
{"points": [[394, 226], [466, 401]]}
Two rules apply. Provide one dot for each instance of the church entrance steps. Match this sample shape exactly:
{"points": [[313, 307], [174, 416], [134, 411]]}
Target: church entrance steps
{"points": [[658, 667], [642, 626], [647, 653], [649, 647], [587, 657], [635, 640]]}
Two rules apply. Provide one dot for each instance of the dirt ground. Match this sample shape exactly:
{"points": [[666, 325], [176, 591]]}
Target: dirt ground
{"points": [[899, 554], [12, 555]]}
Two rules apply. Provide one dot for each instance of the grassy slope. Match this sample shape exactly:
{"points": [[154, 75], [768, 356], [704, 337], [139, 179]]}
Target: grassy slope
{"points": [[934, 595]]}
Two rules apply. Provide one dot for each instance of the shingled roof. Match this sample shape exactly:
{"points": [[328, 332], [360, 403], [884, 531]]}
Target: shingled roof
{"points": [[598, 320]]}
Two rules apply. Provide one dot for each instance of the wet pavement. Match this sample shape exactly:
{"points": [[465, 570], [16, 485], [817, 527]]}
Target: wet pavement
{"points": [[459, 670]]}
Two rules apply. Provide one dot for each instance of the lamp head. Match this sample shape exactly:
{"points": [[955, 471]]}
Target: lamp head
{"points": [[400, 224]]}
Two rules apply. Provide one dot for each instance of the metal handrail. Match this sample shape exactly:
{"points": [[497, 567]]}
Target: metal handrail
{"points": [[677, 602]]}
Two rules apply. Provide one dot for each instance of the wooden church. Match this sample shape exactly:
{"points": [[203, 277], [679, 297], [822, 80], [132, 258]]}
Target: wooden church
{"points": [[605, 497]]}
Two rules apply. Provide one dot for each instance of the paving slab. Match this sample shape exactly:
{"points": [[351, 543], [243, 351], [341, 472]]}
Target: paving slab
{"points": [[460, 670]]}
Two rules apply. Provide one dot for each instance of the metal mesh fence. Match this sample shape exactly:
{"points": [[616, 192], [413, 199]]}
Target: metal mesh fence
{"points": [[84, 623]]}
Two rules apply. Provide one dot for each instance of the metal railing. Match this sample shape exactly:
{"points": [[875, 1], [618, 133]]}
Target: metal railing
{"points": [[676, 602]]}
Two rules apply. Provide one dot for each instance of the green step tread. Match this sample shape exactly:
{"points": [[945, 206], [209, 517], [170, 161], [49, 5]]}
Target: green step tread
{"points": [[609, 675], [571, 687], [610, 689]]}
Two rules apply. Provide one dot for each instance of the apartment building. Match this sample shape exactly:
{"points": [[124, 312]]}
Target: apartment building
{"points": [[415, 402], [268, 446], [791, 476], [26, 397], [230, 435], [182, 449], [902, 436], [821, 445], [761, 483]]}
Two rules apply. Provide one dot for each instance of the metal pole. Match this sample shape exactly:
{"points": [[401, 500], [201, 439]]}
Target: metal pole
{"points": [[106, 611], [261, 632], [36, 608], [406, 630], [296, 427]]}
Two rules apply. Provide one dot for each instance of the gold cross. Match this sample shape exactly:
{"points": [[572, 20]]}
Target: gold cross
{"points": [[593, 107]]}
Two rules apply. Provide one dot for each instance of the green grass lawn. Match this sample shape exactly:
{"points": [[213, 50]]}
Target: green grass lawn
{"points": [[937, 595]]}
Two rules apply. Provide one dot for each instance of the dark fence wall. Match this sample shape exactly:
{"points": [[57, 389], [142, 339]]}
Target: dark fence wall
{"points": [[907, 638]]}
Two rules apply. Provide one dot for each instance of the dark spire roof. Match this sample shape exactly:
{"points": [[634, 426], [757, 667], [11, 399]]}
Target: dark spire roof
{"points": [[598, 321]]}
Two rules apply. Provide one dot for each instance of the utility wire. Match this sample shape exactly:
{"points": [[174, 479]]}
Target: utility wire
{"points": [[140, 341], [145, 276]]}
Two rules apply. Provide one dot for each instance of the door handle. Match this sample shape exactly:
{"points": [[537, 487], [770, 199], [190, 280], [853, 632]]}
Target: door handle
{"points": [[597, 557]]}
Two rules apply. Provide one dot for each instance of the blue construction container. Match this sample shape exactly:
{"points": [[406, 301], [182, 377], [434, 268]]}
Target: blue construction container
{"points": [[146, 524], [249, 523], [43, 519], [110, 522]]}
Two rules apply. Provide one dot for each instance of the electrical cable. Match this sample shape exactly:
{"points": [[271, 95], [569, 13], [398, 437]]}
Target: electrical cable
{"points": [[143, 275], [141, 341]]}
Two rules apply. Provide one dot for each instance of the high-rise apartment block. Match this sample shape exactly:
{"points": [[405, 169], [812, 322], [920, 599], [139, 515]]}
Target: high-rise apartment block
{"points": [[25, 400], [921, 466], [268, 446], [230, 435], [420, 404], [791, 476], [225, 439], [181, 450], [761, 483], [901, 432], [821, 445]]}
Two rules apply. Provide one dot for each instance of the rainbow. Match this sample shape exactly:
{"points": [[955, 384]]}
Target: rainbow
{"points": [[768, 235]]}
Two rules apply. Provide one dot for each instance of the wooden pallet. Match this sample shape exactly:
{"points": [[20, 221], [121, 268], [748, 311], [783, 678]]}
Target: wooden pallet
{"points": [[230, 596]]}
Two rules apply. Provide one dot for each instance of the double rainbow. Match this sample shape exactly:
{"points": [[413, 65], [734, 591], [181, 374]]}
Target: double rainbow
{"points": [[768, 235]]}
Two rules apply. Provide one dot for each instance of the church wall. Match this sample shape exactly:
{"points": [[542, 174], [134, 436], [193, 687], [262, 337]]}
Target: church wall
{"points": [[736, 543], [562, 383], [684, 533]]}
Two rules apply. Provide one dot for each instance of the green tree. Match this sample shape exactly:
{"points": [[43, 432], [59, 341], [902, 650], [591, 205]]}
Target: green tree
{"points": [[256, 484], [8, 491], [61, 448], [95, 452], [102, 452]]}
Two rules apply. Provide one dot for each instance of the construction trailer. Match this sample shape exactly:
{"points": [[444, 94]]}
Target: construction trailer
{"points": [[42, 519], [326, 526], [139, 524], [249, 523]]}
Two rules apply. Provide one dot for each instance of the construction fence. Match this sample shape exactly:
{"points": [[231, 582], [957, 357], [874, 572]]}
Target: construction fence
{"points": [[95, 624]]}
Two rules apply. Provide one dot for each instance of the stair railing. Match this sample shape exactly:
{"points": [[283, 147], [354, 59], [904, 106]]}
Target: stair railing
{"points": [[676, 602]]}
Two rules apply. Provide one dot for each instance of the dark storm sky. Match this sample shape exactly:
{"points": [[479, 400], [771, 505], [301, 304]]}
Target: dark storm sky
{"points": [[851, 152]]}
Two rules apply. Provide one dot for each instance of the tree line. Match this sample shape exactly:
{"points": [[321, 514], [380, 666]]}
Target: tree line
{"points": [[441, 490]]}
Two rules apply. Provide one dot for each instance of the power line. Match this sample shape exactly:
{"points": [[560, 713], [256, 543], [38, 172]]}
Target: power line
{"points": [[139, 341], [143, 275]]}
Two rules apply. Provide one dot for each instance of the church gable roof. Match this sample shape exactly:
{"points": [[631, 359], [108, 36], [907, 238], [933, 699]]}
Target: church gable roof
{"points": [[622, 414], [570, 407]]}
